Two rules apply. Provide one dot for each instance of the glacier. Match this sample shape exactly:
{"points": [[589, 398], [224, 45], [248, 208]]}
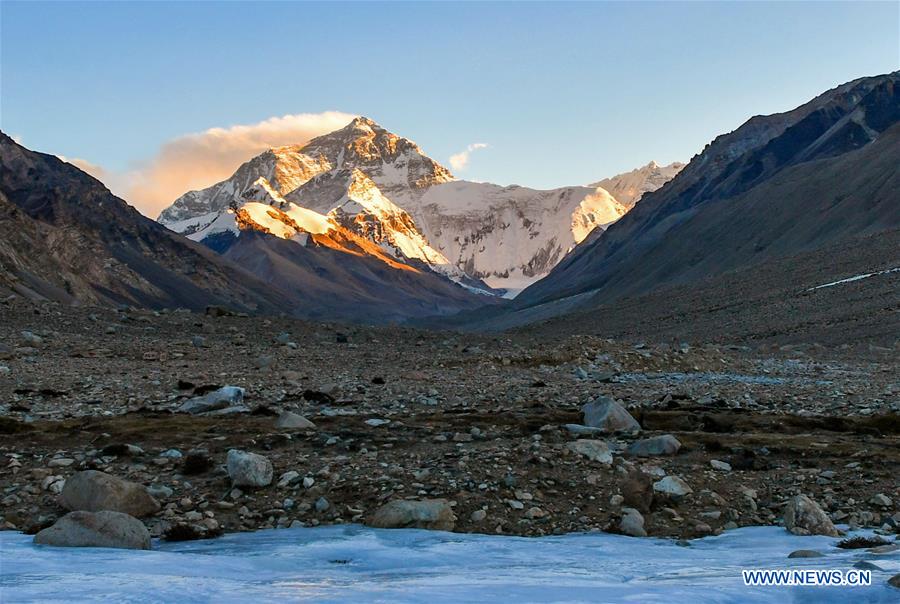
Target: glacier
{"points": [[351, 563]]}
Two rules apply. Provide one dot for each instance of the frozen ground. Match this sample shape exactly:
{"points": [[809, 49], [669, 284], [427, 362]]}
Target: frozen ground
{"points": [[356, 564]]}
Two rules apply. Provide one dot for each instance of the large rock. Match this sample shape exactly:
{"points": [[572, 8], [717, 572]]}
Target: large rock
{"points": [[632, 523], [433, 514], [228, 399], [658, 445], [96, 529], [609, 415], [673, 487], [803, 516], [289, 420], [93, 491], [249, 469], [595, 450]]}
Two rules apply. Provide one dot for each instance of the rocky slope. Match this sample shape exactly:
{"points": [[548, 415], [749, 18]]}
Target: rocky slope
{"points": [[67, 238], [629, 187], [779, 185], [384, 188]]}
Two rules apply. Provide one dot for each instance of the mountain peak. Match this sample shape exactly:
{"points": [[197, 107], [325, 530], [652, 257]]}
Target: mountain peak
{"points": [[364, 123], [629, 187]]}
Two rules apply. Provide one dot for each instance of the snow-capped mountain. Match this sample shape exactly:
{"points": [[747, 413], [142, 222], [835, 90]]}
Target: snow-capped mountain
{"points": [[629, 187], [382, 187]]}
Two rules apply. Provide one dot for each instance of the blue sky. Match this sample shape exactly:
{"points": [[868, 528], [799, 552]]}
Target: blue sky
{"points": [[560, 93]]}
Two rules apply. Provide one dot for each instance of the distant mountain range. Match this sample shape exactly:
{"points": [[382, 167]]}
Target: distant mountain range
{"points": [[779, 186], [361, 225], [365, 181]]}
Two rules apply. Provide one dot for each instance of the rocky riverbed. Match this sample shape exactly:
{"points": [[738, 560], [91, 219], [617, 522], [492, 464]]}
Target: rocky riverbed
{"points": [[349, 419]]}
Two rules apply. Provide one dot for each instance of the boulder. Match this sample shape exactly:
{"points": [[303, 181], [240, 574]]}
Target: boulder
{"points": [[249, 469], [96, 529], [223, 399], [632, 523], [805, 553], [803, 516], [289, 420], [658, 445], [609, 415], [433, 514], [894, 581], [673, 487], [93, 491], [595, 450]]}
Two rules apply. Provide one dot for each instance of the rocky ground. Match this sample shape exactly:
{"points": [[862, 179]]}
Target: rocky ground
{"points": [[478, 421]]}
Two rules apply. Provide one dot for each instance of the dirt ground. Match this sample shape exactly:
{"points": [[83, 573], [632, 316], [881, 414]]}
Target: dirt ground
{"points": [[478, 420]]}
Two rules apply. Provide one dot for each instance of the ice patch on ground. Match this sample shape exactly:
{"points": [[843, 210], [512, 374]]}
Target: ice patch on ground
{"points": [[356, 564]]}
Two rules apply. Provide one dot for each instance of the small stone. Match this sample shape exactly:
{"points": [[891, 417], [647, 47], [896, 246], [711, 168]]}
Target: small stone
{"points": [[803, 516], [805, 553], [894, 581], [632, 523], [308, 482], [375, 422], [720, 465], [604, 412], [288, 477], [248, 469], [881, 500], [595, 450], [658, 445], [516, 505], [478, 516], [31, 339], [160, 491], [322, 504], [217, 400], [289, 420], [534, 513], [672, 486], [864, 565]]}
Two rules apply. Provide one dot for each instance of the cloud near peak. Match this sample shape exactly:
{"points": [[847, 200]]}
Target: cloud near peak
{"points": [[459, 161], [198, 160]]}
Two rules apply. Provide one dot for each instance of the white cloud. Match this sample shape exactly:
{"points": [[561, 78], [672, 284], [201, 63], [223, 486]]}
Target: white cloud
{"points": [[198, 160], [460, 160]]}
